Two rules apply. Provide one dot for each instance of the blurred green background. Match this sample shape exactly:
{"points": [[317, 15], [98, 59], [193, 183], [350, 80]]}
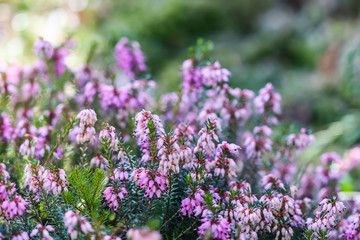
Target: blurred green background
{"points": [[309, 49]]}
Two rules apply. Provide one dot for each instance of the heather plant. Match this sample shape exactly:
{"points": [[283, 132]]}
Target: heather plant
{"points": [[92, 154]]}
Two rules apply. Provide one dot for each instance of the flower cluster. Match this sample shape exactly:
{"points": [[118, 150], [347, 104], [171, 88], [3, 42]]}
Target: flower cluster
{"points": [[111, 196], [44, 231], [152, 181], [86, 133], [207, 162], [129, 57], [75, 224], [326, 217]]}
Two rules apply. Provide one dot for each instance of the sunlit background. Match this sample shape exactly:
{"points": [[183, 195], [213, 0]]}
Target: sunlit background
{"points": [[309, 49]]}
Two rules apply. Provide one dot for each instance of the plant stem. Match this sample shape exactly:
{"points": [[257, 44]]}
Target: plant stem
{"points": [[83, 192], [72, 204], [61, 139], [33, 204], [170, 219], [125, 218], [189, 228], [127, 154], [169, 195], [147, 211], [82, 155]]}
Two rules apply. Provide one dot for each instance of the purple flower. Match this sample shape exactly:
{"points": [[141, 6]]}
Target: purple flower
{"points": [[44, 230], [129, 57], [43, 49], [152, 181], [75, 223], [14, 207], [111, 195], [100, 162], [218, 229]]}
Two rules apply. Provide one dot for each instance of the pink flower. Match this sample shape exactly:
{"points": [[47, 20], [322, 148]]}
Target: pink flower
{"points": [[121, 174], [351, 159], [87, 132], [326, 216], [352, 227], [110, 134], [75, 223], [14, 207], [111, 195], [3, 173], [43, 49], [100, 162], [6, 130], [267, 100], [34, 177], [219, 229], [194, 200], [20, 236], [28, 148], [183, 131], [87, 117], [141, 130], [44, 231], [55, 181], [6, 189], [103, 236], [129, 57], [59, 59], [153, 182], [259, 144], [143, 234], [270, 182], [223, 162], [301, 140], [214, 74], [208, 138], [263, 131], [329, 158], [30, 90], [169, 154]]}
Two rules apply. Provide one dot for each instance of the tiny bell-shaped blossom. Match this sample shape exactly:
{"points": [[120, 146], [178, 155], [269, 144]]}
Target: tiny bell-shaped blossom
{"points": [[194, 200], [87, 132], [169, 154], [3, 173], [141, 130], [43, 49], [100, 162], [300, 141], [121, 174], [87, 117], [75, 223], [20, 236], [218, 229], [153, 182], [214, 74], [109, 133], [208, 138], [14, 207], [143, 234], [267, 100], [34, 177], [129, 57], [55, 181], [44, 231], [6, 190], [111, 196], [28, 148]]}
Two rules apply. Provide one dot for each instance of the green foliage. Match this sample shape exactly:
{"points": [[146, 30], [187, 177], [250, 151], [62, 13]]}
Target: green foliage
{"points": [[85, 193]]}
